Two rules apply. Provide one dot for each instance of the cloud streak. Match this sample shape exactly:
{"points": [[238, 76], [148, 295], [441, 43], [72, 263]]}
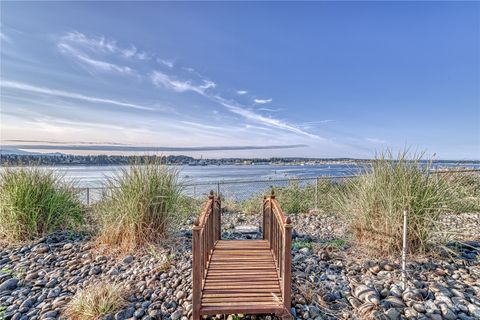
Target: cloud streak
{"points": [[161, 79], [165, 62], [69, 95], [255, 117], [4, 37], [147, 149], [262, 101], [98, 65], [101, 45]]}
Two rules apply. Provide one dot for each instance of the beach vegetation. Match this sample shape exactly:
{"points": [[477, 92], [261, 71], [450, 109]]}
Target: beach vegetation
{"points": [[374, 203], [96, 300], [36, 201], [140, 207]]}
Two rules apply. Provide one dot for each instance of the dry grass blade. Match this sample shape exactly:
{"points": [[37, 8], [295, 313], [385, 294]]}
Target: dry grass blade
{"points": [[140, 207], [374, 203], [96, 300]]}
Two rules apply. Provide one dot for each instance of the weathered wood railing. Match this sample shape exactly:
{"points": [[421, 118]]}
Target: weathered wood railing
{"points": [[241, 276], [277, 230], [205, 234]]}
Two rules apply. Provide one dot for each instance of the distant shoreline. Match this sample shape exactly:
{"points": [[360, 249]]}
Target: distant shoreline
{"points": [[113, 160]]}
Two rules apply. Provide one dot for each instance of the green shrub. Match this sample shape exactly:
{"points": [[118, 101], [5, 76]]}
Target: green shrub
{"points": [[374, 203], [140, 206], [34, 202], [252, 205], [295, 198], [189, 206]]}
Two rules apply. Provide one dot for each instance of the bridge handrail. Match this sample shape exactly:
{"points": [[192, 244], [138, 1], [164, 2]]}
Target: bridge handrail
{"points": [[277, 229], [205, 234]]}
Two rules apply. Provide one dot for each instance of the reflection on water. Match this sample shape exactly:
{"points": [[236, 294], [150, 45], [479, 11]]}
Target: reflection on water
{"points": [[93, 176]]}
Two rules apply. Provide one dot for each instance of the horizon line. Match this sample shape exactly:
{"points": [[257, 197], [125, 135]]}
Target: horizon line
{"points": [[124, 148]]}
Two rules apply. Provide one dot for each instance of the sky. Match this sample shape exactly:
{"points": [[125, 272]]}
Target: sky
{"points": [[254, 79]]}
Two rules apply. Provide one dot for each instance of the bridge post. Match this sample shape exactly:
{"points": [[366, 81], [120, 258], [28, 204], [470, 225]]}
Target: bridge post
{"points": [[270, 220], [264, 218], [287, 266], [197, 276]]}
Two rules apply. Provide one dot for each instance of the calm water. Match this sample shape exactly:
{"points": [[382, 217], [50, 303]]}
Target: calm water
{"points": [[94, 176]]}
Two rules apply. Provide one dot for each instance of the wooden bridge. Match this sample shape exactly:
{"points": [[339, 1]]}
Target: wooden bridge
{"points": [[242, 276]]}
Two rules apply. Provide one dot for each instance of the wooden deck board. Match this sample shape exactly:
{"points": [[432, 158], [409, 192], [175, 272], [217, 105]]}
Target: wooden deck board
{"points": [[241, 277]]}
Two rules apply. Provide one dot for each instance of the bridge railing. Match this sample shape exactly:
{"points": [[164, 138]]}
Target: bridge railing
{"points": [[277, 230], [205, 234]]}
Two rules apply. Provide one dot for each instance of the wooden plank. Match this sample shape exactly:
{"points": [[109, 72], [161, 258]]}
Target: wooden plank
{"points": [[241, 309], [241, 279], [242, 289], [241, 294]]}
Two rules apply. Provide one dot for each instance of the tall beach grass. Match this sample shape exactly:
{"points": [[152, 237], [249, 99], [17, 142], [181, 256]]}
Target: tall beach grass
{"points": [[140, 205], [34, 202], [374, 203]]}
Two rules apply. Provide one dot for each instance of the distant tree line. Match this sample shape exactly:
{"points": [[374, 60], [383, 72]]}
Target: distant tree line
{"points": [[105, 160], [95, 160]]}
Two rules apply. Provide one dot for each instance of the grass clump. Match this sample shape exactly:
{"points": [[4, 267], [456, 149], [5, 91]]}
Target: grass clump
{"points": [[140, 206], [374, 203], [95, 301], [298, 244], [335, 243], [34, 202], [297, 198], [294, 198]]}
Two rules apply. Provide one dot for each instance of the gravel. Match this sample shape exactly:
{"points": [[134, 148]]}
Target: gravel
{"points": [[330, 279]]}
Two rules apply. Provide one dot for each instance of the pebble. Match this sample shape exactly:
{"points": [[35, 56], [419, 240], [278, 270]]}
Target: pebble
{"points": [[57, 267], [41, 248], [128, 259], [9, 284], [392, 314], [474, 310]]}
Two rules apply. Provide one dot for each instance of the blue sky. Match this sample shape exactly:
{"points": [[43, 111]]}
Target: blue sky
{"points": [[330, 79]]}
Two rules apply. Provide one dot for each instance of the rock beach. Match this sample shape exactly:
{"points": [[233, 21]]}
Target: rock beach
{"points": [[330, 280]]}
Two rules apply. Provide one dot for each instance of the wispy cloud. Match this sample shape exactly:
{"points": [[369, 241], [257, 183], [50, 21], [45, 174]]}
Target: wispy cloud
{"points": [[148, 149], [267, 121], [165, 62], [132, 52], [201, 125], [78, 45], [97, 65], [69, 95], [58, 142], [101, 44], [4, 37], [161, 79], [269, 109], [262, 101], [313, 124]]}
